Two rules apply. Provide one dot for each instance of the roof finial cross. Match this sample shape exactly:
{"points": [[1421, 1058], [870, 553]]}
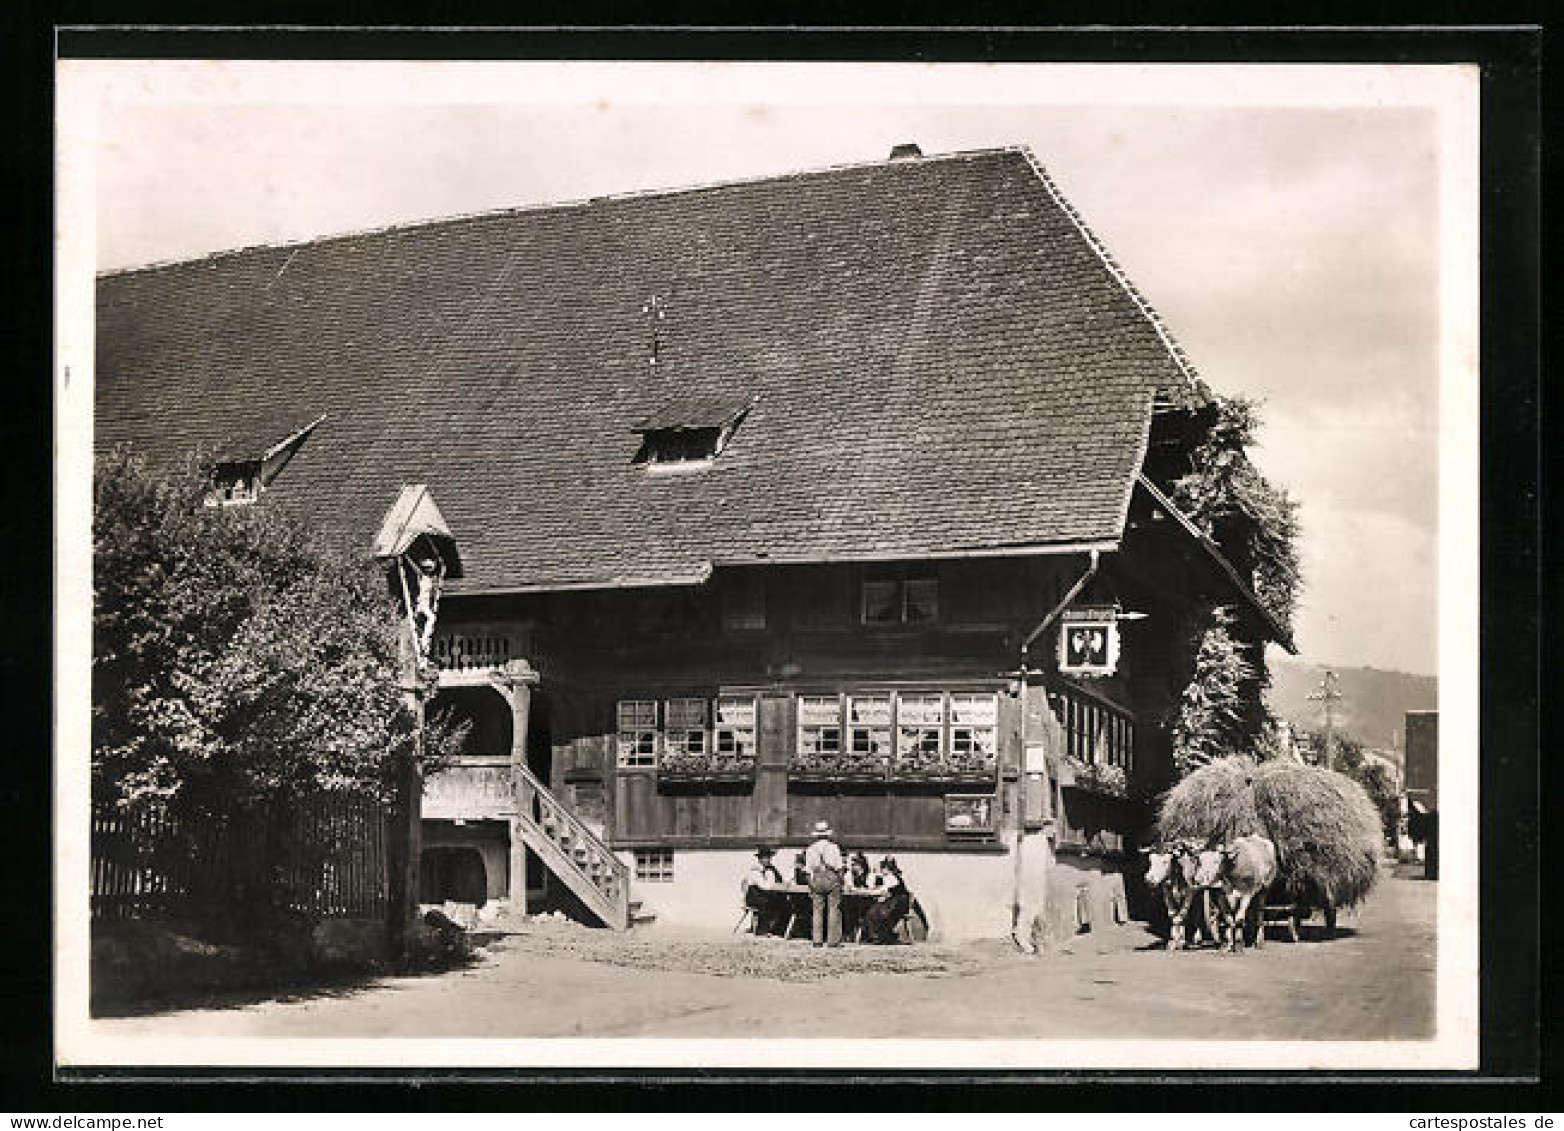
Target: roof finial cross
{"points": [[656, 312]]}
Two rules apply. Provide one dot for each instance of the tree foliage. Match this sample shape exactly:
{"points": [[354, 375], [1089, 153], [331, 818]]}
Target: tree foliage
{"points": [[237, 658], [1255, 522], [1216, 714]]}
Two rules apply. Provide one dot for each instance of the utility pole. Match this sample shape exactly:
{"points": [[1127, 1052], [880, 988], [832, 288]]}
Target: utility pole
{"points": [[1328, 695]]}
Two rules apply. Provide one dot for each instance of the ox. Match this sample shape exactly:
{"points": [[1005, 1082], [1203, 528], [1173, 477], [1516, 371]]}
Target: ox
{"points": [[1240, 872], [1170, 870]]}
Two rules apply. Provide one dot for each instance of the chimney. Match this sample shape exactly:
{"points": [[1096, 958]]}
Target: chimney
{"points": [[905, 150]]}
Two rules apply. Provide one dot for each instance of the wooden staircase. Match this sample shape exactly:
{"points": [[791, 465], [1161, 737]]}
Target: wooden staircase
{"points": [[572, 852]]}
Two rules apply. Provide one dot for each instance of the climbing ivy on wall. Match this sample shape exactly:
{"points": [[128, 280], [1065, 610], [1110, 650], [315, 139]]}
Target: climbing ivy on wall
{"points": [[1214, 716], [1222, 708], [1254, 521]]}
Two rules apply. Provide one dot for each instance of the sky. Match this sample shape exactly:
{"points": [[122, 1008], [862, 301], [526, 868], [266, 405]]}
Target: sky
{"points": [[1285, 224]]}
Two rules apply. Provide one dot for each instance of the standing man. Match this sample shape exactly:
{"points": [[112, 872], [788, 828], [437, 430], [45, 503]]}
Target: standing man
{"points": [[823, 859]]}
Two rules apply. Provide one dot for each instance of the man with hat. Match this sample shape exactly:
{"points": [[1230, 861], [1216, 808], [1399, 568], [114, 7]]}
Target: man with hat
{"points": [[823, 860], [761, 877]]}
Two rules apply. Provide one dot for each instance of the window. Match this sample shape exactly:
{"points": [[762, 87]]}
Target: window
{"points": [[736, 726], [880, 605], [680, 445], [654, 865], [974, 726], [907, 735], [819, 724], [638, 732], [869, 725], [920, 729], [744, 601], [235, 484], [691, 730], [896, 597], [686, 729], [920, 600], [240, 479], [689, 432]]}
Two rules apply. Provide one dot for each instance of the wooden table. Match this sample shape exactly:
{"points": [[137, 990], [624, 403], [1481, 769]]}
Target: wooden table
{"points": [[794, 899]]}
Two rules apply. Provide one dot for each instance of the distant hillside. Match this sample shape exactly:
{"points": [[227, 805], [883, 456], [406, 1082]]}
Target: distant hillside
{"points": [[1373, 702]]}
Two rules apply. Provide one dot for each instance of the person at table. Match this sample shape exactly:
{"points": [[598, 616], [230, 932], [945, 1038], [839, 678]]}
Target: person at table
{"points": [[823, 859], [858, 882], [770, 915], [800, 872], [858, 874], [891, 904]]}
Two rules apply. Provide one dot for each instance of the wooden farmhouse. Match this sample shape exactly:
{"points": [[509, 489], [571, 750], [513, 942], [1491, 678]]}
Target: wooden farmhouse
{"points": [[839, 495]]}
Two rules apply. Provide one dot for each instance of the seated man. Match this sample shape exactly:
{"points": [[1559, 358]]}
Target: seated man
{"points": [[770, 916], [891, 904], [800, 873]]}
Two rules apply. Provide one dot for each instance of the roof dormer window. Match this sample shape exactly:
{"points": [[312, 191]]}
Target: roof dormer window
{"points": [[239, 477], [236, 484], [688, 434]]}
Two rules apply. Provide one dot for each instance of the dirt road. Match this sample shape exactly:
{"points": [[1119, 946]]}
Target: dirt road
{"points": [[1374, 981]]}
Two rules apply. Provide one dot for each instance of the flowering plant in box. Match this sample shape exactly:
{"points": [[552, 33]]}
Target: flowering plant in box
{"points": [[837, 763], [919, 764], [706, 764], [974, 764], [1097, 777]]}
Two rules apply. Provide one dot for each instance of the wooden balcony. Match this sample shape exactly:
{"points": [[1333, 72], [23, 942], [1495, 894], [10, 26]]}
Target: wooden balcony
{"points": [[476, 652], [1097, 730]]}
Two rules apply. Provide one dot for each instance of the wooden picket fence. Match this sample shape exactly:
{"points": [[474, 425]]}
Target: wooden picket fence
{"points": [[324, 857]]}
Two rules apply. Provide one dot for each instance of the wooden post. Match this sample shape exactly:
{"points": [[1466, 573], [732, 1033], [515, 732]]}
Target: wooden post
{"points": [[1018, 831], [514, 681], [406, 840]]}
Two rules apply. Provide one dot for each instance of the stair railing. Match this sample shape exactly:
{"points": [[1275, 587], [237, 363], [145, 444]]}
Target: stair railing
{"points": [[596, 875]]}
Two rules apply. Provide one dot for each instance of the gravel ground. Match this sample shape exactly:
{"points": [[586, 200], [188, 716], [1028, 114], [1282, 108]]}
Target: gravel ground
{"points": [[1374, 982], [736, 956]]}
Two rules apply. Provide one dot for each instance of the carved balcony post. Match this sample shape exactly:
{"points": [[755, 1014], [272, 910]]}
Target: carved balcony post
{"points": [[515, 680]]}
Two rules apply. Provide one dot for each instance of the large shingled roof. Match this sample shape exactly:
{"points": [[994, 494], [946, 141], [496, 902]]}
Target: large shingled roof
{"points": [[937, 358]]}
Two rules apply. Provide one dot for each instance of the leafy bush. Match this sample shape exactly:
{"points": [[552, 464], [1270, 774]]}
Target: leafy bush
{"points": [[237, 657]]}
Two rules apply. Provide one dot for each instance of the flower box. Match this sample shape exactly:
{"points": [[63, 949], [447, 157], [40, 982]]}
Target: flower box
{"points": [[705, 767], [959, 770], [836, 768], [1091, 777]]}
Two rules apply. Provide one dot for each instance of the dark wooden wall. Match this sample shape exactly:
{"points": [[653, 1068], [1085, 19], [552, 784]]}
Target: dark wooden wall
{"points": [[596, 648]]}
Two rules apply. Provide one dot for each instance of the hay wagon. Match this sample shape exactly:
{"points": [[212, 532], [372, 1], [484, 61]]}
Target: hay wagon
{"points": [[1328, 834]]}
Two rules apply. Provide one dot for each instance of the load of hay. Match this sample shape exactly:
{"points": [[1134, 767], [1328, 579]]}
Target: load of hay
{"points": [[1216, 802], [1327, 832]]}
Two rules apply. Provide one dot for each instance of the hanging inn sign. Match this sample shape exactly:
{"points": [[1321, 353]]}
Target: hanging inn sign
{"points": [[1089, 641]]}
